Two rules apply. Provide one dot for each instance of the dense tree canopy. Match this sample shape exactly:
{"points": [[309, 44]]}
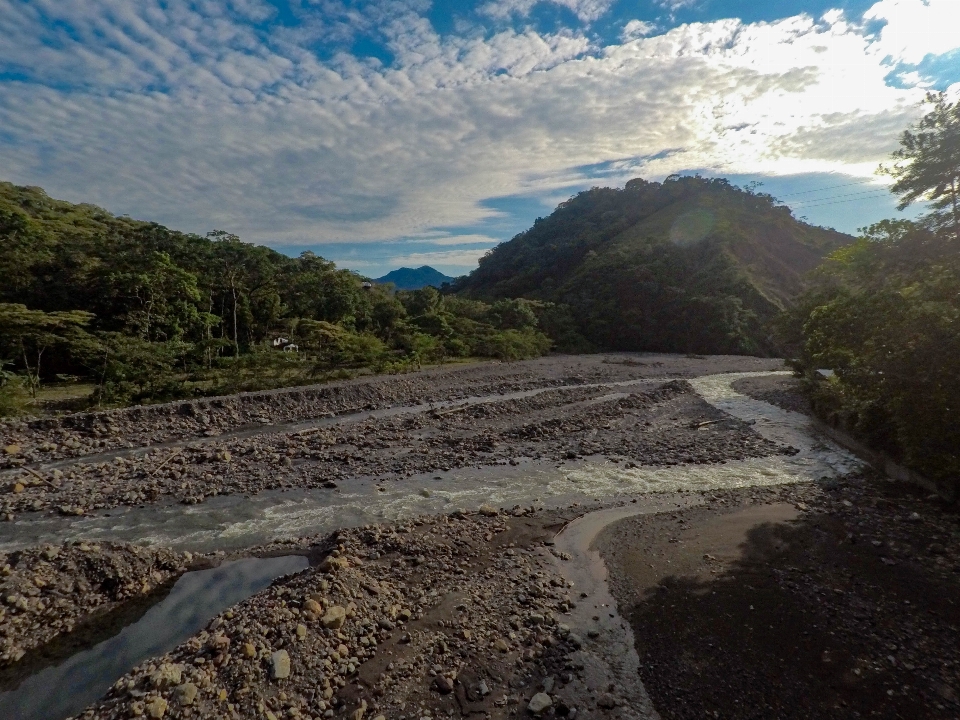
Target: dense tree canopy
{"points": [[884, 315], [146, 312], [687, 265]]}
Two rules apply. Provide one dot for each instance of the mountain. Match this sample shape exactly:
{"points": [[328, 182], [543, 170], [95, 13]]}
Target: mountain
{"points": [[414, 279], [688, 265]]}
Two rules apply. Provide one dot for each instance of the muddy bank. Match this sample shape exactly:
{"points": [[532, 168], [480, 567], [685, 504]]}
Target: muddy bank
{"points": [[49, 591], [650, 424], [835, 600], [81, 434]]}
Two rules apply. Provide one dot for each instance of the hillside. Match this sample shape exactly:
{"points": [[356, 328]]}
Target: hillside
{"points": [[147, 313], [687, 265], [414, 278]]}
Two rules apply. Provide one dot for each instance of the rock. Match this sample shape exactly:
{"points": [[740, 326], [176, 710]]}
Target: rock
{"points": [[280, 665], [185, 693], [575, 640], [301, 631], [18, 487], [539, 703], [488, 511], [334, 617], [443, 685], [249, 650], [167, 675], [501, 645], [607, 701], [156, 708], [358, 713], [332, 564], [11, 450], [313, 606]]}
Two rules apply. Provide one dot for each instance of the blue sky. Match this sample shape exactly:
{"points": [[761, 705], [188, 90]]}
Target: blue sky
{"points": [[409, 132]]}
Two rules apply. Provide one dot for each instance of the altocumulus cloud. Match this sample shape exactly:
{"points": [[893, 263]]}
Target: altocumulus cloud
{"points": [[230, 115]]}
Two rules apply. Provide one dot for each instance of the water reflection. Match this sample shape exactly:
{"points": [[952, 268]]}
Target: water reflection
{"points": [[66, 689]]}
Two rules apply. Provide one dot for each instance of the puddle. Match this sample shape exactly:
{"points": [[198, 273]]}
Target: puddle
{"points": [[66, 689]]}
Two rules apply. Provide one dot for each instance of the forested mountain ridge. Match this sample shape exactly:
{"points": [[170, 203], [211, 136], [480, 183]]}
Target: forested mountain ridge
{"points": [[689, 265], [147, 313]]}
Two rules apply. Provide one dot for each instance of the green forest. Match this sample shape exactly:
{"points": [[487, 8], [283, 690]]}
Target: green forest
{"points": [[687, 265], [884, 314], [143, 313]]}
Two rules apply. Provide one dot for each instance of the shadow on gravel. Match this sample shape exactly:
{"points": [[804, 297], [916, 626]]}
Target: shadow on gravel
{"points": [[811, 622]]}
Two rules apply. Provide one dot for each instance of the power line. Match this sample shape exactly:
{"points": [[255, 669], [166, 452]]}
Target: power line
{"points": [[835, 197], [832, 187], [836, 202]]}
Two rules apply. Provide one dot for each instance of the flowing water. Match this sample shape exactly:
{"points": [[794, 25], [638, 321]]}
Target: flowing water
{"points": [[232, 522]]}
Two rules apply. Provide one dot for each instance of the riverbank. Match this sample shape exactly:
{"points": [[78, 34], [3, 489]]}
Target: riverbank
{"points": [[438, 616], [837, 599], [49, 591]]}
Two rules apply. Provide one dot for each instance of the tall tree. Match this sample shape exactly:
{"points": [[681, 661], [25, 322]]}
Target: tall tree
{"points": [[927, 165], [30, 333]]}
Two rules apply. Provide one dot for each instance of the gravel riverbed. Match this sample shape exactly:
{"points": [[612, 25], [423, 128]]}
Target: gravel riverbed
{"points": [[471, 613], [655, 422]]}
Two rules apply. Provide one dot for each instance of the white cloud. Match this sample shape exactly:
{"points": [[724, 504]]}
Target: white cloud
{"points": [[585, 10], [916, 28], [459, 258], [186, 114], [674, 5], [637, 29]]}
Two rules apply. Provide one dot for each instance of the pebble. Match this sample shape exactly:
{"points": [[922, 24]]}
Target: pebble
{"points": [[156, 707], [167, 675], [186, 693], [280, 665], [334, 617], [539, 703]]}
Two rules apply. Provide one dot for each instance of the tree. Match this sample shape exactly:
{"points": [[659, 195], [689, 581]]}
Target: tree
{"points": [[131, 367], [30, 333], [927, 165]]}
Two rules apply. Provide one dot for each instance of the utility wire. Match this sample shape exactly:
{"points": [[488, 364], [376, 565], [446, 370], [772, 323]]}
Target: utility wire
{"points": [[832, 187], [836, 202], [836, 197]]}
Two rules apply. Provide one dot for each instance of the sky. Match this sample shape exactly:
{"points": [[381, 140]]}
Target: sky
{"points": [[408, 132]]}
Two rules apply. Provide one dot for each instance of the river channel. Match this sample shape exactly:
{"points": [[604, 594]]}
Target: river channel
{"points": [[230, 523]]}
